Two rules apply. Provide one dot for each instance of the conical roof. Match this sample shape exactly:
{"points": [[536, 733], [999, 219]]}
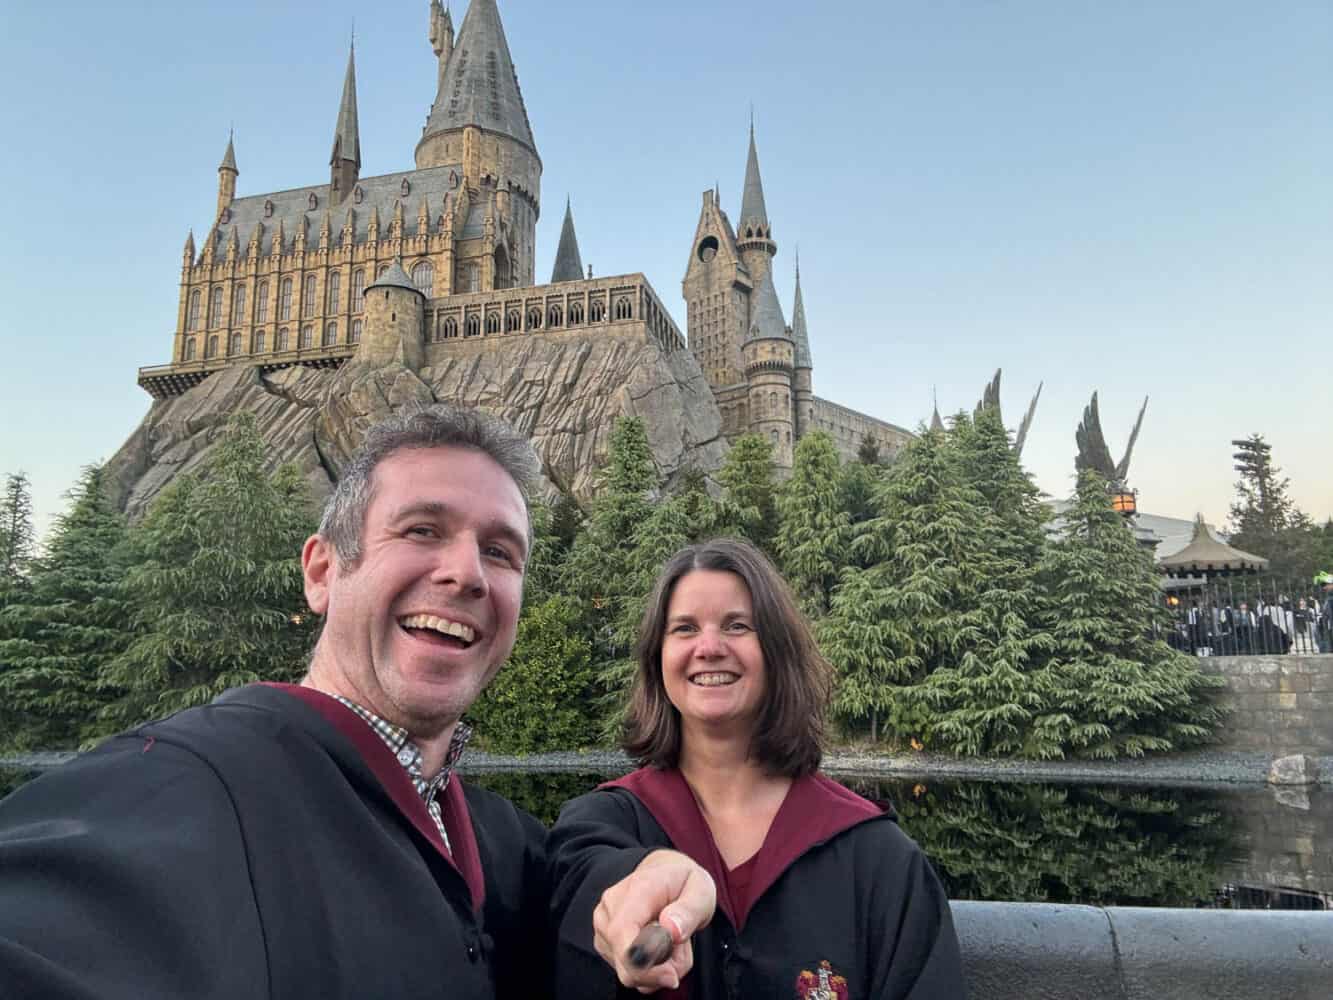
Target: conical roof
{"points": [[229, 157], [799, 333], [394, 277], [1208, 555], [753, 209], [480, 86], [766, 320], [568, 263], [347, 133]]}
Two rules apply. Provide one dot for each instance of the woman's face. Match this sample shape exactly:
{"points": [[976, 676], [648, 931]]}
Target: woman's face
{"points": [[712, 663]]}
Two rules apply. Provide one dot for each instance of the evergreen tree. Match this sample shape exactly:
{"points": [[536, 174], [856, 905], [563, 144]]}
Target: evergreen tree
{"points": [[813, 530], [68, 623], [749, 495], [216, 584], [1264, 518], [867, 452], [17, 539], [1116, 689]]}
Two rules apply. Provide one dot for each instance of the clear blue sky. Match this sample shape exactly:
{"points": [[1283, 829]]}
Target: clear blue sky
{"points": [[1132, 197]]}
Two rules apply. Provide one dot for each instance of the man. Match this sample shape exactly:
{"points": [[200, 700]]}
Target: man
{"points": [[1324, 628], [311, 841]]}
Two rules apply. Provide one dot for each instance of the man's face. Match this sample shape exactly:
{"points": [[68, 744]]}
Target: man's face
{"points": [[422, 623]]}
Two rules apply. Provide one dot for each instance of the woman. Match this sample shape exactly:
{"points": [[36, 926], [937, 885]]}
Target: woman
{"points": [[819, 893]]}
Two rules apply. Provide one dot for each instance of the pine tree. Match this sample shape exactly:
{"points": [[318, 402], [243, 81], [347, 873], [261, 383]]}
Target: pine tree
{"points": [[67, 625], [1264, 518], [1116, 689], [749, 499], [813, 530], [216, 585], [17, 539]]}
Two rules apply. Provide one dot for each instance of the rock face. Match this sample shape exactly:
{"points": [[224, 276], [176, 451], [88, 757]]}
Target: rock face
{"points": [[564, 393]]}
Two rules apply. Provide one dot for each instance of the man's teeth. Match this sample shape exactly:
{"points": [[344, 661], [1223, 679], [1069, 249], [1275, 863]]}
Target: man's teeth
{"points": [[713, 680], [441, 625]]}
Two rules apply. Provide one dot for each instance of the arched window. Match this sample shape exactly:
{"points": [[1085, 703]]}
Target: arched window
{"points": [[513, 321], [261, 342], [450, 327], [238, 305], [535, 318], [553, 316], [285, 299], [335, 293], [262, 307], [597, 311], [575, 313], [308, 296], [474, 325], [211, 348], [355, 337], [215, 308], [330, 335], [493, 322], [283, 342], [189, 349], [192, 316], [358, 290], [423, 277], [623, 309], [234, 344], [307, 337]]}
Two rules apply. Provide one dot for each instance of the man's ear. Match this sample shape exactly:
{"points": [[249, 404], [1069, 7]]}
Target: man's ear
{"points": [[318, 566]]}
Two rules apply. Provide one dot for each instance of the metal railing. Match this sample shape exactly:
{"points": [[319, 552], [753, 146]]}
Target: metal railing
{"points": [[1247, 616]]}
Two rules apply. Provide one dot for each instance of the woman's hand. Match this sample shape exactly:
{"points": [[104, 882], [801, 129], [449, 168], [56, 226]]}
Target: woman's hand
{"points": [[666, 888]]}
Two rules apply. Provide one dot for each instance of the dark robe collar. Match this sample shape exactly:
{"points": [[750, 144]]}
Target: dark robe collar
{"points": [[465, 858], [814, 810]]}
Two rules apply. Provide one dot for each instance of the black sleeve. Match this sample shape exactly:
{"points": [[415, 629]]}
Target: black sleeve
{"points": [[920, 958], [595, 843], [517, 903], [124, 874]]}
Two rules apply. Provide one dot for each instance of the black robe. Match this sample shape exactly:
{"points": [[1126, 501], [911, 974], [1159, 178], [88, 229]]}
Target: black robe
{"points": [[266, 845], [839, 899]]}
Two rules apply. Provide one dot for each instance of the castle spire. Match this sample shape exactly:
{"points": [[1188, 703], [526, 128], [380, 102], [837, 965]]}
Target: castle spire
{"points": [[568, 262], [345, 160], [753, 210], [229, 157], [799, 333], [227, 174]]}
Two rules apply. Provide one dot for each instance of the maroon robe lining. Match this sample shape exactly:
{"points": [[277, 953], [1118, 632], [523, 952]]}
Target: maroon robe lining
{"points": [[814, 809], [466, 857]]}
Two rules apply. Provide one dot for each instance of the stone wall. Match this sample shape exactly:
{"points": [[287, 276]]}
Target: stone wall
{"points": [[1279, 704], [1284, 840]]}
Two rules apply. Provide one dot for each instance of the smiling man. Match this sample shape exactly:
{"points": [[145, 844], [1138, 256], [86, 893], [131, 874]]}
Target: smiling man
{"points": [[311, 840]]}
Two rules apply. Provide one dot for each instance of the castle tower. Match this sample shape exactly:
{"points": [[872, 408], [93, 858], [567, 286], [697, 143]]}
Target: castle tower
{"points": [[568, 262], [769, 353], [227, 174], [480, 123], [754, 235], [345, 161], [395, 321], [802, 366]]}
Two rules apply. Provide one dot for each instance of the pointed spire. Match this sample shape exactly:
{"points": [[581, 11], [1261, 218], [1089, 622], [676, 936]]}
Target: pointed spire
{"points": [[229, 157], [568, 262], [799, 334], [766, 321], [347, 133], [753, 209], [480, 86], [395, 277]]}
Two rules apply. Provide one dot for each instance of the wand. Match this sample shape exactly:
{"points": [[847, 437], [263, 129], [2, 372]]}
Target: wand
{"points": [[652, 947]]}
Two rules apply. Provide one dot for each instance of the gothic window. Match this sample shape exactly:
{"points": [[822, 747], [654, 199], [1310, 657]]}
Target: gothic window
{"points": [[423, 277], [534, 318], [192, 316], [189, 349], [355, 337], [471, 278], [238, 304], [513, 321], [261, 342], [575, 313], [335, 292], [775, 436], [285, 299], [262, 306], [312, 201], [623, 309], [268, 209], [450, 328], [307, 338], [330, 335], [597, 311], [282, 343], [384, 268], [215, 308], [358, 290], [553, 316], [234, 344], [211, 348], [493, 322], [406, 188], [474, 325], [308, 296]]}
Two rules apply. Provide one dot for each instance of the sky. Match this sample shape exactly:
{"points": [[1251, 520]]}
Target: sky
{"points": [[1133, 198]]}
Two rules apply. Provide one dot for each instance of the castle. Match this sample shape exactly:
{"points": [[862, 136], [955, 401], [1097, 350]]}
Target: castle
{"points": [[415, 265]]}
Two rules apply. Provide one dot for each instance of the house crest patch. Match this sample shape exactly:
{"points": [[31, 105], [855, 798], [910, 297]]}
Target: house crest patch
{"points": [[822, 984]]}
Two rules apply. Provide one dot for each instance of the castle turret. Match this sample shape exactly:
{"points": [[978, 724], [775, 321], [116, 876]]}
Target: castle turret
{"points": [[770, 357], [441, 37], [716, 289], [568, 262], [188, 254], [754, 235], [345, 161], [227, 174], [395, 321], [802, 381]]}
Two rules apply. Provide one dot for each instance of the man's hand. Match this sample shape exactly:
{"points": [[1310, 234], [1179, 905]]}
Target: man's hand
{"points": [[667, 888]]}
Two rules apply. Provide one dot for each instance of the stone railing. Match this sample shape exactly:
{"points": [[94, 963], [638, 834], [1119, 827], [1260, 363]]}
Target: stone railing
{"points": [[1279, 704], [1042, 951]]}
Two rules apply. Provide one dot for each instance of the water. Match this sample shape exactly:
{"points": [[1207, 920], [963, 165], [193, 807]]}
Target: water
{"points": [[1234, 847]]}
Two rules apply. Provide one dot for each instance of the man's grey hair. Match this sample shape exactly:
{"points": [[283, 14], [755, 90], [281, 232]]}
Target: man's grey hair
{"points": [[437, 426]]}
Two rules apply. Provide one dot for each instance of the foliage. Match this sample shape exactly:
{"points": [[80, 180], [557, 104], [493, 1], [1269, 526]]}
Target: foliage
{"points": [[216, 584], [17, 542], [1264, 519], [748, 507], [813, 530]]}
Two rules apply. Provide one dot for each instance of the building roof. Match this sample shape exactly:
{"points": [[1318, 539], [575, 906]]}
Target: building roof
{"points": [[394, 277], [1207, 554], [766, 319], [799, 334], [347, 132], [480, 85], [229, 157], [568, 262], [752, 200]]}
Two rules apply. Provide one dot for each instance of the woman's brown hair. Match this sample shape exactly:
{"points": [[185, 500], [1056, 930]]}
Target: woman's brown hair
{"points": [[788, 735]]}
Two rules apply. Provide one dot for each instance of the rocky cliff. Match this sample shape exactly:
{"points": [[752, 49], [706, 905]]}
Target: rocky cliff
{"points": [[564, 392]]}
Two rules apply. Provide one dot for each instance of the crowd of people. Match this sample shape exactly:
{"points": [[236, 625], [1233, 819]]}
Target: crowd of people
{"points": [[1220, 624]]}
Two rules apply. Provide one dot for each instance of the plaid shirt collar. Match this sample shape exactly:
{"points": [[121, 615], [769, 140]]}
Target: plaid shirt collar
{"points": [[408, 754]]}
